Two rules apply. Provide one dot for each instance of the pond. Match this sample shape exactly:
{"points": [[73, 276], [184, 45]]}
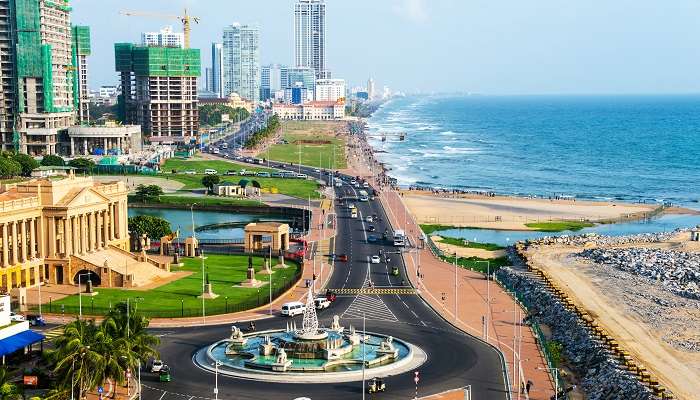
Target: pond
{"points": [[663, 223], [182, 220]]}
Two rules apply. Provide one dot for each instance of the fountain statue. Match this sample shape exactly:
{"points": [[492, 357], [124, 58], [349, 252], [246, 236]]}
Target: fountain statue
{"points": [[237, 341], [335, 326]]}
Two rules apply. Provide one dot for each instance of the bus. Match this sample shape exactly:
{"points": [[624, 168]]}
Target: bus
{"points": [[399, 238]]}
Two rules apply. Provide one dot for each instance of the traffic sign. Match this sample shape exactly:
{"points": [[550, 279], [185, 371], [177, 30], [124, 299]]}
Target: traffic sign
{"points": [[100, 389]]}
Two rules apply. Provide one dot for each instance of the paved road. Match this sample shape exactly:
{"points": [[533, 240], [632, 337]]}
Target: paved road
{"points": [[454, 359]]}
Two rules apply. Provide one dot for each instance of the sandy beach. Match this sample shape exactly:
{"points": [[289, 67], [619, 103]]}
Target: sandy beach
{"points": [[512, 213]]}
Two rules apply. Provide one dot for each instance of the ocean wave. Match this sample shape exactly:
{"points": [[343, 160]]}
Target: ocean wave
{"points": [[461, 150], [448, 133]]}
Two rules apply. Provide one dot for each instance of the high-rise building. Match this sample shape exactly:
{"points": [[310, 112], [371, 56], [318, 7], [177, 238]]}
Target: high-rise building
{"points": [[217, 69], [330, 89], [81, 91], [36, 75], [208, 79], [273, 78], [241, 61], [165, 38], [310, 36], [159, 90], [371, 89]]}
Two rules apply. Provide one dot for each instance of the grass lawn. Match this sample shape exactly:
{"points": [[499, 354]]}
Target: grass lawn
{"points": [[478, 264], [430, 228], [179, 298], [312, 154], [470, 245], [201, 200], [558, 226]]}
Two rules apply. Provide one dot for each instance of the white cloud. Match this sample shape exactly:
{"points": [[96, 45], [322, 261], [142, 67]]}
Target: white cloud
{"points": [[413, 10]]}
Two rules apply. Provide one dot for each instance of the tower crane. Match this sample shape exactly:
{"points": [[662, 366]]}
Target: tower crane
{"points": [[185, 19]]}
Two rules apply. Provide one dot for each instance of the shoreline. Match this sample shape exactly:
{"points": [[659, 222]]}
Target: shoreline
{"points": [[503, 212]]}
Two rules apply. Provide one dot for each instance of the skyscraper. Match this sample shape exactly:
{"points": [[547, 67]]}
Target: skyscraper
{"points": [[165, 38], [217, 69], [371, 89], [273, 78], [81, 92], [37, 75], [241, 61], [310, 36]]}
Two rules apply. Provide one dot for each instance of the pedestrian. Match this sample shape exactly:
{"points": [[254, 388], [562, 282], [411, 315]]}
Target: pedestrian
{"points": [[528, 386]]}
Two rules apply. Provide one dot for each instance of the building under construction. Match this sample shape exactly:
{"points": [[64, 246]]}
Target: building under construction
{"points": [[81, 91], [37, 74], [159, 91]]}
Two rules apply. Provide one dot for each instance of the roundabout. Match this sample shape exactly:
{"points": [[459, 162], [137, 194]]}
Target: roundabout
{"points": [[310, 354]]}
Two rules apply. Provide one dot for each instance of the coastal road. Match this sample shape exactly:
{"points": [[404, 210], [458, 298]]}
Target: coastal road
{"points": [[454, 358]]}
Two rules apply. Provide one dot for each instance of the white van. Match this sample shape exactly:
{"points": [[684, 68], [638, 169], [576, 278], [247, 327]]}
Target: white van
{"points": [[210, 171], [293, 308]]}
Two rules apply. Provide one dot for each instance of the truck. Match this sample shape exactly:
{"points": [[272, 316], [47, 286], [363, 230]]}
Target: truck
{"points": [[399, 238]]}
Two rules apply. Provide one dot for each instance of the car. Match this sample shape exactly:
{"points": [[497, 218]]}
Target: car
{"points": [[375, 259], [371, 228], [16, 317], [317, 170], [277, 175], [301, 176], [321, 303], [369, 218], [232, 172], [210, 171], [365, 185], [364, 198], [351, 206], [356, 185], [36, 320], [164, 374], [263, 174], [293, 308], [190, 172], [339, 184], [395, 271], [157, 366], [372, 239], [341, 257], [331, 295]]}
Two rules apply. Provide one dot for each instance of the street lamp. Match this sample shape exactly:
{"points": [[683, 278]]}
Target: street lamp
{"points": [[488, 294], [556, 379], [216, 379]]}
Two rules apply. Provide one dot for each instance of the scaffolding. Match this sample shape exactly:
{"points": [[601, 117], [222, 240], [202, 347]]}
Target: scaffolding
{"points": [[81, 40], [157, 61]]}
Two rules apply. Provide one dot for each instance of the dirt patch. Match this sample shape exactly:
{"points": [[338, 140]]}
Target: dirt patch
{"points": [[466, 251], [316, 142]]}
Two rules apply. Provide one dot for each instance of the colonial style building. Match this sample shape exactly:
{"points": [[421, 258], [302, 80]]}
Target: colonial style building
{"points": [[54, 228]]}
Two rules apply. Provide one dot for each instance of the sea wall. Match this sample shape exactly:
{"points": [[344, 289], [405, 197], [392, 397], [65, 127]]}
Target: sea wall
{"points": [[602, 376]]}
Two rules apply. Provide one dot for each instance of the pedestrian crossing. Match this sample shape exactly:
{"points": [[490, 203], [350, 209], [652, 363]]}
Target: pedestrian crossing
{"points": [[375, 291], [53, 333]]}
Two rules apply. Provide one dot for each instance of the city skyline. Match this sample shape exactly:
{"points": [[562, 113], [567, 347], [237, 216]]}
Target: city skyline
{"points": [[504, 48]]}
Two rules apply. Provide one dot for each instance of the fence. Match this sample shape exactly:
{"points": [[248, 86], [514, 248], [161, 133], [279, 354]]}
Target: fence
{"points": [[541, 340]]}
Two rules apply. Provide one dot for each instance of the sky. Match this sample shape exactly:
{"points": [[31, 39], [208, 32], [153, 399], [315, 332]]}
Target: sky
{"points": [[477, 46]]}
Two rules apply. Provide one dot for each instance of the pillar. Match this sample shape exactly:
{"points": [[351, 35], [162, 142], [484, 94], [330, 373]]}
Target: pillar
{"points": [[98, 231], [91, 230], [75, 238], [52, 237], [23, 241], [5, 254], [105, 146], [85, 149], [111, 221], [42, 237], [13, 237], [105, 227], [83, 234], [72, 147], [115, 220], [67, 237], [124, 217], [32, 238]]}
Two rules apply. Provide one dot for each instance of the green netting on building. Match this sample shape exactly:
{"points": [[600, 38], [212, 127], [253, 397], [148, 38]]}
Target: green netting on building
{"points": [[81, 40], [27, 15], [157, 61], [47, 77], [122, 57], [63, 5]]}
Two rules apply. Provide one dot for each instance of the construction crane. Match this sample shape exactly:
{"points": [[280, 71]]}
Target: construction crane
{"points": [[185, 19]]}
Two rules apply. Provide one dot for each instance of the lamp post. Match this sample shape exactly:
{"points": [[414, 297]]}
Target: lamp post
{"points": [[488, 295], [216, 379], [468, 392], [364, 339], [556, 379]]}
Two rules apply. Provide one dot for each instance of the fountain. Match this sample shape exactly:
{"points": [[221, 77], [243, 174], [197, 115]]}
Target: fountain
{"points": [[310, 354]]}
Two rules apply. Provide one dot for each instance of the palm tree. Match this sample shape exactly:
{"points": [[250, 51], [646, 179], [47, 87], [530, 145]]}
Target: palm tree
{"points": [[79, 358], [8, 390], [131, 327]]}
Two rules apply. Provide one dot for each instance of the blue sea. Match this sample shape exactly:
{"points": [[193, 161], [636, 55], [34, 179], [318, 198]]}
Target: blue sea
{"points": [[631, 148]]}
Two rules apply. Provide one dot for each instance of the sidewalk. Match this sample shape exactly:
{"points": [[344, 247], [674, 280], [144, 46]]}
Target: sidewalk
{"points": [[438, 283]]}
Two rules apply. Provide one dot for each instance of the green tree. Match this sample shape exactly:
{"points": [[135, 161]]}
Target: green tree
{"points": [[8, 390], [151, 226], [148, 192], [27, 162], [259, 137], [208, 181], [52, 160], [9, 168], [210, 114], [133, 327], [82, 164]]}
